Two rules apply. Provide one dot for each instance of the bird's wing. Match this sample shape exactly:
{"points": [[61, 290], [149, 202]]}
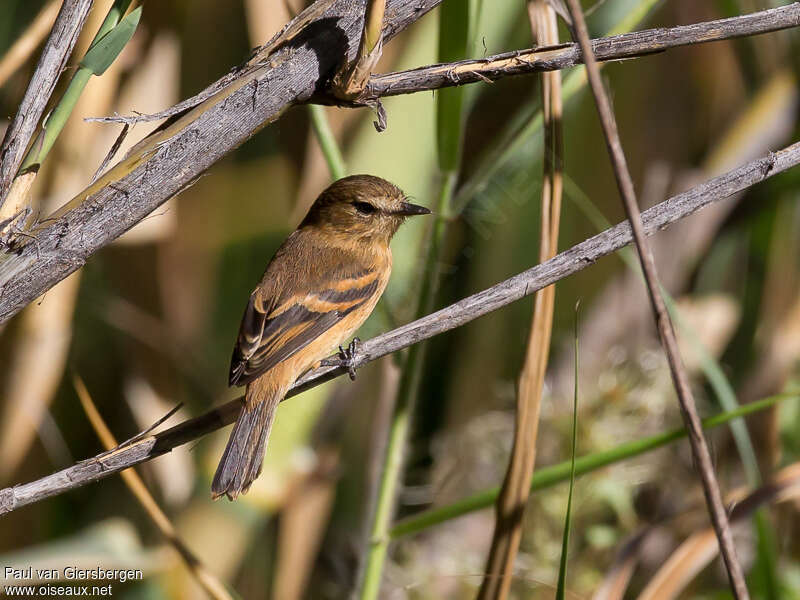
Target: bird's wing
{"points": [[275, 328]]}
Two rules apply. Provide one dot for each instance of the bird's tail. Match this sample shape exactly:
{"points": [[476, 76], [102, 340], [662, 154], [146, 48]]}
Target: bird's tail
{"points": [[244, 455]]}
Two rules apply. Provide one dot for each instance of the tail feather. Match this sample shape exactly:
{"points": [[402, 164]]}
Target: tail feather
{"points": [[244, 455]]}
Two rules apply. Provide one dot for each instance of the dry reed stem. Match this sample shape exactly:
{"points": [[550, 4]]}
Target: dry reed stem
{"points": [[680, 379], [510, 506], [618, 577], [207, 580], [17, 199], [34, 372], [302, 524]]}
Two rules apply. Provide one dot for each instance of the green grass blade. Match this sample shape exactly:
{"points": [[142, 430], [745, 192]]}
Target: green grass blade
{"points": [[112, 19], [549, 476], [106, 49], [327, 141], [561, 588], [765, 570], [453, 39]]}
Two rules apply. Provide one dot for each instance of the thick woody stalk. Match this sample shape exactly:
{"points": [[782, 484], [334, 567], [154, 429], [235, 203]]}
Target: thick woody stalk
{"points": [[705, 467], [350, 82]]}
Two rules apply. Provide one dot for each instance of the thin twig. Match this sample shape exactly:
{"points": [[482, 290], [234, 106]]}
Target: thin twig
{"points": [[563, 265], [207, 580], [705, 467], [54, 57], [111, 152], [552, 58]]}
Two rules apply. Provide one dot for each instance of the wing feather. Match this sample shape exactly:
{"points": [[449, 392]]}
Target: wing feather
{"points": [[272, 332]]}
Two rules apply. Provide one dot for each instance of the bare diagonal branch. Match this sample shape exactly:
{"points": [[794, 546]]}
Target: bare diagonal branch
{"points": [[54, 58], [571, 261]]}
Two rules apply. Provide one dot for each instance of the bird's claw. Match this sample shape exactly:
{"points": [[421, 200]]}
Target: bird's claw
{"points": [[346, 359]]}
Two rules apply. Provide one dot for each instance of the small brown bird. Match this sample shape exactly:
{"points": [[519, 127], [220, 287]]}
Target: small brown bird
{"points": [[320, 286]]}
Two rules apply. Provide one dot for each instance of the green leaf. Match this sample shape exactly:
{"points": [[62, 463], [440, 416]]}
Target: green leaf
{"points": [[112, 20], [454, 20], [106, 49]]}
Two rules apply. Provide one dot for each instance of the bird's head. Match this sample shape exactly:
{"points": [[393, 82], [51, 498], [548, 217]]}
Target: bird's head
{"points": [[362, 207]]}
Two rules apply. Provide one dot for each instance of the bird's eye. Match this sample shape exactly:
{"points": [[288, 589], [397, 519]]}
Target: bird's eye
{"points": [[365, 208]]}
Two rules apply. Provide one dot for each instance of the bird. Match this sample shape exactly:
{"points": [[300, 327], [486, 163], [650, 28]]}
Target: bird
{"points": [[319, 287]]}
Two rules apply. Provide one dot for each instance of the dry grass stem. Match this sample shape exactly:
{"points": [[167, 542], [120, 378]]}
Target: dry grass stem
{"points": [[17, 201], [207, 580], [514, 494], [303, 520], [34, 372], [700, 450]]}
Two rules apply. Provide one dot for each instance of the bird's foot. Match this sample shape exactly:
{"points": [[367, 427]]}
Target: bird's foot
{"points": [[346, 358]]}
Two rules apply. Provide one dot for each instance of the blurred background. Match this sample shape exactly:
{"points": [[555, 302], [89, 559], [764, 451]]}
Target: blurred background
{"points": [[151, 320]]}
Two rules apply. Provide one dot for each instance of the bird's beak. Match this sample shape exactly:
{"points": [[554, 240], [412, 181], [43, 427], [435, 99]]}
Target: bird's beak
{"points": [[407, 209]]}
